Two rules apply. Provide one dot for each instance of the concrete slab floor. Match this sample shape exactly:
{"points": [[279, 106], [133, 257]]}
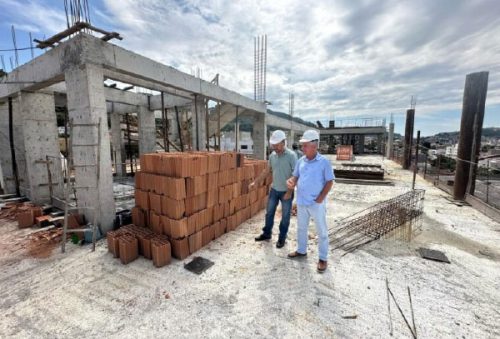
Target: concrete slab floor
{"points": [[254, 290]]}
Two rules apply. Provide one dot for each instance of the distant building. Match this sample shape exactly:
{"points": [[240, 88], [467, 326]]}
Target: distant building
{"points": [[451, 151], [245, 144]]}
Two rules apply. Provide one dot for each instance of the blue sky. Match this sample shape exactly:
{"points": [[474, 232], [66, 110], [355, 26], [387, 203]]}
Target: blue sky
{"points": [[341, 58]]}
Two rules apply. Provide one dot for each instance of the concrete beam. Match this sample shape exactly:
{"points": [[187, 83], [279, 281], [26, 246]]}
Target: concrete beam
{"points": [[353, 130], [119, 64], [285, 124], [128, 98]]}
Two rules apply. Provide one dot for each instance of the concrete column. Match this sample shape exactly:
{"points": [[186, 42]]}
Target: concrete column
{"points": [[147, 130], [361, 144], [198, 123], [469, 144], [86, 105], [380, 143], [5, 152], [117, 142], [291, 138], [390, 141], [40, 140], [7, 175], [259, 135], [410, 121]]}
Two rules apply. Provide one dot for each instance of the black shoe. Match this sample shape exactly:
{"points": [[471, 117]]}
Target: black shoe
{"points": [[262, 237], [280, 243]]}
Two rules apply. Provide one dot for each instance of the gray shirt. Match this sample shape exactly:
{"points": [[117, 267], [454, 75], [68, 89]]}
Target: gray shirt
{"points": [[282, 166]]}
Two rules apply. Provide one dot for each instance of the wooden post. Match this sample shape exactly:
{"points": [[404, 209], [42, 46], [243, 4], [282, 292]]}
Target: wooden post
{"points": [[469, 144]]}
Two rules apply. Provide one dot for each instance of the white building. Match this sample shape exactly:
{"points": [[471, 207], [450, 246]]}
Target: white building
{"points": [[245, 145], [451, 151]]}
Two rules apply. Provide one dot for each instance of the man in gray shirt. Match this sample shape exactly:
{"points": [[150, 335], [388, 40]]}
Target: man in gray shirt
{"points": [[281, 164]]}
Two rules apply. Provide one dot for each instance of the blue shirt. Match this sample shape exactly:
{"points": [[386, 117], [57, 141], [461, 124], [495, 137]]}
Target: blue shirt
{"points": [[313, 175]]}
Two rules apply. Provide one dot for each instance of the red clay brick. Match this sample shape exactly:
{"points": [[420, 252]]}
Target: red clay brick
{"points": [[195, 242], [180, 248], [128, 247], [161, 251]]}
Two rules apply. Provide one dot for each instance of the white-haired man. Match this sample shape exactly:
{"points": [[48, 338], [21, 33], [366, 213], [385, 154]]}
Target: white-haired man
{"points": [[313, 175], [281, 164]]}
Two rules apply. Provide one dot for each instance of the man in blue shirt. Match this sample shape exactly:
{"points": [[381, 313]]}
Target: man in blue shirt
{"points": [[313, 175]]}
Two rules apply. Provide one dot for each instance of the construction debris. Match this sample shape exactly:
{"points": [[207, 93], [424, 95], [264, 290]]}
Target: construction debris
{"points": [[433, 255], [413, 328], [198, 265], [41, 243], [386, 218]]}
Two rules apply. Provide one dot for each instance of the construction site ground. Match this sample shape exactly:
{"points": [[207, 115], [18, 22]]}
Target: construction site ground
{"points": [[255, 290]]}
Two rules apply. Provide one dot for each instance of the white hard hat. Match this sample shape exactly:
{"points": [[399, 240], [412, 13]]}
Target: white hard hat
{"points": [[277, 137], [309, 135]]}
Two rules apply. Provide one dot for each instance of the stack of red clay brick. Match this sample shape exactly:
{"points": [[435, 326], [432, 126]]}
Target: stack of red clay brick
{"points": [[193, 198], [130, 241], [26, 213]]}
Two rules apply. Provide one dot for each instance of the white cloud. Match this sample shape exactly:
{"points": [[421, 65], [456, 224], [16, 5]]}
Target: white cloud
{"points": [[340, 57]]}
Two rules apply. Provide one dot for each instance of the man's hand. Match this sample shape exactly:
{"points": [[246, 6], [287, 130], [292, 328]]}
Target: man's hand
{"points": [[288, 195], [290, 183], [319, 200]]}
